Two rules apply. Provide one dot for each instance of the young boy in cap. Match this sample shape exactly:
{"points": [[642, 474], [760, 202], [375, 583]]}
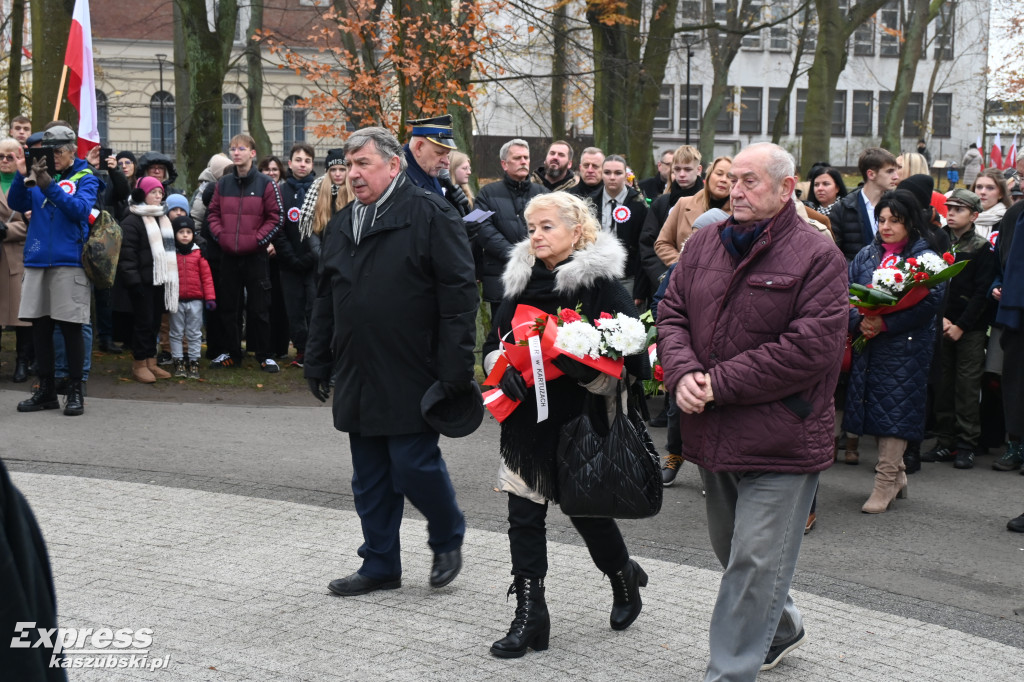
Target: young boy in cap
{"points": [[965, 321], [195, 291]]}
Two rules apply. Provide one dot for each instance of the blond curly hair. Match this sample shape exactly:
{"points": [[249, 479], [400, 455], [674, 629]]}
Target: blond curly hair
{"points": [[572, 211]]}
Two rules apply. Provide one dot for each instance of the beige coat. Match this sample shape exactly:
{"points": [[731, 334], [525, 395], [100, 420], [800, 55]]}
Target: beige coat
{"points": [[679, 225], [11, 265]]}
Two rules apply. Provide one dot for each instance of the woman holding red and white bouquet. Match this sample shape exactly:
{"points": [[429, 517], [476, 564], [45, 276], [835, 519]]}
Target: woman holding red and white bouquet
{"points": [[887, 393], [565, 263]]}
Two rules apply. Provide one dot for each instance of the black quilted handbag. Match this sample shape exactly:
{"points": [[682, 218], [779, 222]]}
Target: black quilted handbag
{"points": [[616, 475]]}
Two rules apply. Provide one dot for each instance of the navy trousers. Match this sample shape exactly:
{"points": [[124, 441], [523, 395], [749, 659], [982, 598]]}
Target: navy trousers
{"points": [[387, 470]]}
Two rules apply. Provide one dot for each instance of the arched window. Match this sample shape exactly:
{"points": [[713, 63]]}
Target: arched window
{"points": [[161, 122], [294, 122], [232, 117], [101, 117]]}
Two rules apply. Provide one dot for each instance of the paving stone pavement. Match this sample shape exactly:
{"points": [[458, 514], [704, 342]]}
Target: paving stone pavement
{"points": [[235, 588]]}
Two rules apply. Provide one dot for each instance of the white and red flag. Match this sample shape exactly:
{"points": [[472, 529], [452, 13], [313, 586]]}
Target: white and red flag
{"points": [[997, 152], [81, 81], [1011, 156]]}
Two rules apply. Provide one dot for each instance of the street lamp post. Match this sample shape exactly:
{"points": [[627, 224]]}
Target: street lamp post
{"points": [[688, 41], [163, 100]]}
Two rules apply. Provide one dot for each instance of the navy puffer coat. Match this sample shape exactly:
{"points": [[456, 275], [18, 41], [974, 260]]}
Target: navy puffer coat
{"points": [[888, 385]]}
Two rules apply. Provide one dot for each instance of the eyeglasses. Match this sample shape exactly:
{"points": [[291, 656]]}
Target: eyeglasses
{"points": [[7, 157], [124, 162], [238, 149]]}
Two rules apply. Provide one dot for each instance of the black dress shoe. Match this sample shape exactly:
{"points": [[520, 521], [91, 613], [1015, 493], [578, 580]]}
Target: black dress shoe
{"points": [[20, 372], [446, 566], [360, 584], [660, 421]]}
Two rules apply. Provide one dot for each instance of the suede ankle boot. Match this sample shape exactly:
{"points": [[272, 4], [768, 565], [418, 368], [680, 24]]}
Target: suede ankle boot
{"points": [[626, 602], [44, 398], [141, 373], [156, 370], [531, 627]]}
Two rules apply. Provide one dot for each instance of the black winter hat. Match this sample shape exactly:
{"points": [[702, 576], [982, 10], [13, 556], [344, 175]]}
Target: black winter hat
{"points": [[182, 222], [455, 417], [921, 186], [127, 155], [335, 157]]}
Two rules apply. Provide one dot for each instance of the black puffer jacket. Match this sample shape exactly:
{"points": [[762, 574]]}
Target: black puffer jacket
{"points": [[650, 263], [851, 225], [503, 230], [150, 158]]}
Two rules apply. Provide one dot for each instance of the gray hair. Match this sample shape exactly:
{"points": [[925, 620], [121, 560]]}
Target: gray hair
{"points": [[514, 142], [386, 144], [9, 143], [592, 150], [780, 165]]}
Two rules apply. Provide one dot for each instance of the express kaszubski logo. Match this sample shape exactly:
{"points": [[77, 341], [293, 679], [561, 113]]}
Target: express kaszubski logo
{"points": [[91, 647]]}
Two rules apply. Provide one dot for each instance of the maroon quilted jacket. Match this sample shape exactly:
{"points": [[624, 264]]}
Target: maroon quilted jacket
{"points": [[245, 212], [770, 332], [195, 282]]}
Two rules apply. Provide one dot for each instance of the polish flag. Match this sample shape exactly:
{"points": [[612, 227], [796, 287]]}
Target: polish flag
{"points": [[981, 150], [1011, 156], [997, 152], [81, 81]]}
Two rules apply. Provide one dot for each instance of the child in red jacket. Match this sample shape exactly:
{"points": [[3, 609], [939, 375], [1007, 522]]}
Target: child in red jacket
{"points": [[195, 286]]}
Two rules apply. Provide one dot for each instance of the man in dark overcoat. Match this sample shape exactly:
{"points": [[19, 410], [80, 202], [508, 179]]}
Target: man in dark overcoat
{"points": [[395, 312]]}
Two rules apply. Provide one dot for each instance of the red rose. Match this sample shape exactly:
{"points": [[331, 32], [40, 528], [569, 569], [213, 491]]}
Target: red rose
{"points": [[659, 373], [606, 316], [569, 315], [912, 262], [948, 257]]}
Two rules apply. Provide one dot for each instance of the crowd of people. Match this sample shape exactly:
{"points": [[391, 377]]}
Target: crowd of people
{"points": [[748, 284]]}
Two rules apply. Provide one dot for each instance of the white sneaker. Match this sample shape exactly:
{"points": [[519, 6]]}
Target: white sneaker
{"points": [[270, 366]]}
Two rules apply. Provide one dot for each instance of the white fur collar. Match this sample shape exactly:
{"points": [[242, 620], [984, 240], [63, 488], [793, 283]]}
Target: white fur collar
{"points": [[605, 258]]}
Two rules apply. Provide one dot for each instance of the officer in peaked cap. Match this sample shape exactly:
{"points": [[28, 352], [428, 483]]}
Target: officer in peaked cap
{"points": [[428, 155]]}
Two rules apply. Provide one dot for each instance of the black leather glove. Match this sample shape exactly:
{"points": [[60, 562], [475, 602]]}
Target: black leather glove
{"points": [[459, 195], [513, 385], [575, 369], [3, 231], [453, 389], [320, 388]]}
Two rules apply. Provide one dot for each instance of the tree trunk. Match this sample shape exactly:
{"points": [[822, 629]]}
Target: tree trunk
{"points": [[182, 90], [17, 27], [51, 24], [834, 30], [205, 59], [559, 65], [254, 81], [616, 50], [651, 73], [921, 13]]}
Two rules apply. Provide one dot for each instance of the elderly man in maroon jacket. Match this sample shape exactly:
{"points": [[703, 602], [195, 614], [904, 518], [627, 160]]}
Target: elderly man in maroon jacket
{"points": [[751, 335], [244, 214]]}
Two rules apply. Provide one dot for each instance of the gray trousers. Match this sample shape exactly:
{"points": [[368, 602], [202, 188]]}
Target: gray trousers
{"points": [[187, 323], [756, 523]]}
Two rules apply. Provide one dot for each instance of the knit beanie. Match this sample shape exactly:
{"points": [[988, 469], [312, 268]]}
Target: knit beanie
{"points": [[335, 157], [127, 155], [183, 222], [177, 201], [148, 184], [921, 186]]}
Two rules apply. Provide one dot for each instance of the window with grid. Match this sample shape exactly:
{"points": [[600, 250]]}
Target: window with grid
{"points": [[102, 117], [864, 39], [942, 114], [161, 108], [860, 124], [232, 117], [913, 123], [294, 122], [724, 122], [839, 114], [775, 99], [663, 119], [944, 32], [696, 100], [750, 110], [889, 19], [753, 17]]}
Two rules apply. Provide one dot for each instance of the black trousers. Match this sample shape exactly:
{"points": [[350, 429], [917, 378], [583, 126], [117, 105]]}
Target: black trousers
{"points": [[74, 344], [147, 310], [1013, 380], [299, 290], [528, 541], [249, 272]]}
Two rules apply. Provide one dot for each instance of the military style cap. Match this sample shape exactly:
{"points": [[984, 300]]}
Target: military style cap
{"points": [[58, 136], [965, 197], [438, 130]]}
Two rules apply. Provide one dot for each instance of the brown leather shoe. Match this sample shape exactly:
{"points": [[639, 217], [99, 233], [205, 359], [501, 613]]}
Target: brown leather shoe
{"points": [[811, 518], [852, 455]]}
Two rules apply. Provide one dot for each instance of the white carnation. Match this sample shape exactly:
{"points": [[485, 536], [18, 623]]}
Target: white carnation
{"points": [[885, 280], [579, 338], [931, 263], [626, 335]]}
